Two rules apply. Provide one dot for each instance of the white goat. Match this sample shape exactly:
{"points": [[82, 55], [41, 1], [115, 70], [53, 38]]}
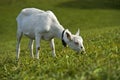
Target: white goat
{"points": [[38, 24]]}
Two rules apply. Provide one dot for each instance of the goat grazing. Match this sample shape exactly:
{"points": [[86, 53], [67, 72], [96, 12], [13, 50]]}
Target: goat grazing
{"points": [[38, 24]]}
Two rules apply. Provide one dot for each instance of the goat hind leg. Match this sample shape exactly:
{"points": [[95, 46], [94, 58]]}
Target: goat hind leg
{"points": [[19, 36], [31, 42]]}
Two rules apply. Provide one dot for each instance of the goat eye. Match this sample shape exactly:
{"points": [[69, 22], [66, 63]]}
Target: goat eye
{"points": [[76, 43]]}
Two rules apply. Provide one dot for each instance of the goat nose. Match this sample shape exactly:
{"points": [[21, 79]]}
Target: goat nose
{"points": [[83, 50], [81, 47]]}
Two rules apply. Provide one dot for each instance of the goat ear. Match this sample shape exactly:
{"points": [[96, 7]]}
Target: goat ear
{"points": [[78, 32], [68, 36]]}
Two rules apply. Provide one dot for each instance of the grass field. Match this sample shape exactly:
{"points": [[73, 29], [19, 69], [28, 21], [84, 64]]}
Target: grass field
{"points": [[99, 22]]}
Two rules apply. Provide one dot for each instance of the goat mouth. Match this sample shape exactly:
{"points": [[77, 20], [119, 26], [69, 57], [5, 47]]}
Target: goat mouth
{"points": [[81, 52]]}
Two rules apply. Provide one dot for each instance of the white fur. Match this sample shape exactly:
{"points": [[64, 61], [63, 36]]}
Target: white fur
{"points": [[38, 24]]}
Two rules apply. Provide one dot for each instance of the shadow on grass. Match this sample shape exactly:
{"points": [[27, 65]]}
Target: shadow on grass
{"points": [[92, 4]]}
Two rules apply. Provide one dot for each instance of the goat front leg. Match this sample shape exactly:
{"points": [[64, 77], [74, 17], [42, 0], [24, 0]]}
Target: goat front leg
{"points": [[37, 38], [31, 42], [52, 45]]}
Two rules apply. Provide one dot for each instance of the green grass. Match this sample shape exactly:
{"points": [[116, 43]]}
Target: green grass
{"points": [[99, 23]]}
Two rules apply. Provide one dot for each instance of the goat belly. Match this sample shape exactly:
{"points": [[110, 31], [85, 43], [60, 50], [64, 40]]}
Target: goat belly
{"points": [[30, 35], [47, 36]]}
